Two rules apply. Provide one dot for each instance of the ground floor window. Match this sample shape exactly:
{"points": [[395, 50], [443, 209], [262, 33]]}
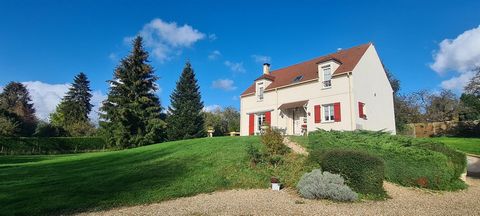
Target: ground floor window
{"points": [[328, 113], [260, 121]]}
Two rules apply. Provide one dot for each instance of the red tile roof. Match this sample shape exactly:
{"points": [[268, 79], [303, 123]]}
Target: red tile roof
{"points": [[348, 59]]}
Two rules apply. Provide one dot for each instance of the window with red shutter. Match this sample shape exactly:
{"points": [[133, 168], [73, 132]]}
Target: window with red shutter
{"points": [[337, 112], [251, 124], [268, 118], [317, 109], [361, 110]]}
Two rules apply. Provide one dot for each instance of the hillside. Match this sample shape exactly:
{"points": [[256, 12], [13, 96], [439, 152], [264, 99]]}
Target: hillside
{"points": [[90, 181]]}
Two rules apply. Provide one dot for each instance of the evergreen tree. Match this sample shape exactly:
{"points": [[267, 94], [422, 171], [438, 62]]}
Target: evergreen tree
{"points": [[16, 99], [185, 118], [72, 112], [132, 112]]}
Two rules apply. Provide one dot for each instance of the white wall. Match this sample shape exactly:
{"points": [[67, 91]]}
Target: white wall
{"points": [[312, 91], [371, 86]]}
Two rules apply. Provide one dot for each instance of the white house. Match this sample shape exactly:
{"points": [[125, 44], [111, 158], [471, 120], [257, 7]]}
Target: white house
{"points": [[345, 90]]}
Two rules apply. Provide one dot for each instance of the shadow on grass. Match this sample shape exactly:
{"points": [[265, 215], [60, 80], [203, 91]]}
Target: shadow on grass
{"points": [[89, 182]]}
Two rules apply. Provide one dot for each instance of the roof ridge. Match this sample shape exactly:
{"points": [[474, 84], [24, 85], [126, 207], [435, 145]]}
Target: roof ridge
{"points": [[323, 56]]}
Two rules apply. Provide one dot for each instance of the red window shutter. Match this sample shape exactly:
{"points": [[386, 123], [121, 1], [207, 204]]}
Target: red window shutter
{"points": [[317, 113], [268, 118], [336, 112], [360, 110], [251, 124]]}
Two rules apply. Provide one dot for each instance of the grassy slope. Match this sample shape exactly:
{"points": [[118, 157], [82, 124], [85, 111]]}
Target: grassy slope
{"points": [[69, 183], [467, 145]]}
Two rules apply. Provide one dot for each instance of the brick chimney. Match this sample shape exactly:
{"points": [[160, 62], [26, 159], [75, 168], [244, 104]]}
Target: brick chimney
{"points": [[266, 68]]}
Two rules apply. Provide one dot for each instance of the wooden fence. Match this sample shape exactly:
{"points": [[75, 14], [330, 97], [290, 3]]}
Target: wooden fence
{"points": [[432, 128]]}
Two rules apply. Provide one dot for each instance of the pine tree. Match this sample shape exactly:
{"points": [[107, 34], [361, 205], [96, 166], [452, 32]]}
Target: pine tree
{"points": [[15, 99], [131, 113], [185, 118], [72, 112]]}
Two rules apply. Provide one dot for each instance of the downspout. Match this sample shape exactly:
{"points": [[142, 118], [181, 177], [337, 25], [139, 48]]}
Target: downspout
{"points": [[276, 106], [351, 99]]}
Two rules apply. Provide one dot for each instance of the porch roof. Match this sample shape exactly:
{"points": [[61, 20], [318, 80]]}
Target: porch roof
{"points": [[293, 104]]}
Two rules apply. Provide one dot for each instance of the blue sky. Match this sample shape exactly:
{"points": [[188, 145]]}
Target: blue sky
{"points": [[427, 45]]}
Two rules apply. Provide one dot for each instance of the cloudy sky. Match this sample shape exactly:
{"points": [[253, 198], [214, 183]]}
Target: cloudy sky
{"points": [[427, 45]]}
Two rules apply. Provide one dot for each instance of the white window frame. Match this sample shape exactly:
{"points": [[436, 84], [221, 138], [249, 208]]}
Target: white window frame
{"points": [[328, 111], [260, 91], [327, 82]]}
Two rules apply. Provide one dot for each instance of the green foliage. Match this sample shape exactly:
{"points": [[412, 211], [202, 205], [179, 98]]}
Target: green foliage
{"points": [[408, 161], [363, 172], [470, 107], [10, 124], [222, 121], [255, 154], [15, 100], [72, 112], [273, 141], [318, 185], [45, 129], [132, 112], [185, 120], [50, 145]]}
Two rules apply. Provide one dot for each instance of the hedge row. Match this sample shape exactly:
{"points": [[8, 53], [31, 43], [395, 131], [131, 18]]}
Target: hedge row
{"points": [[408, 161], [363, 172], [50, 145]]}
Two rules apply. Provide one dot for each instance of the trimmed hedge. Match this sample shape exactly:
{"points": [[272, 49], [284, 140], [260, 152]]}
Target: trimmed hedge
{"points": [[363, 172], [408, 161], [50, 145]]}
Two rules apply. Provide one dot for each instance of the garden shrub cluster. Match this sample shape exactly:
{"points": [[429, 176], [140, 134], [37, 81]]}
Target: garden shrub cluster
{"points": [[49, 145], [363, 172], [318, 185], [408, 161]]}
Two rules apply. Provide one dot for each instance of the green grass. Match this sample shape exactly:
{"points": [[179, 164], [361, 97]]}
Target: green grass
{"points": [[63, 184], [467, 145], [301, 140]]}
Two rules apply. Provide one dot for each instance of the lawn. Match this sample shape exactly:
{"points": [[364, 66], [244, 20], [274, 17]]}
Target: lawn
{"points": [[63, 184], [467, 145]]}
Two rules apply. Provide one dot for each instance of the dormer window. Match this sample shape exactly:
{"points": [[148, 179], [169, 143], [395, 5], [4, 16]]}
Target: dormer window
{"points": [[297, 79], [327, 76], [260, 90]]}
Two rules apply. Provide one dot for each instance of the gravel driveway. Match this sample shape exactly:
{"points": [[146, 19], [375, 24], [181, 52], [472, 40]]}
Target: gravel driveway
{"points": [[405, 201]]}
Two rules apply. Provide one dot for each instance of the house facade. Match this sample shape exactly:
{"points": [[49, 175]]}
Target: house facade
{"points": [[346, 90]]}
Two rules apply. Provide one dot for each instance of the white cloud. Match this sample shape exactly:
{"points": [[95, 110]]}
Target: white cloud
{"points": [[235, 98], [167, 38], [235, 66], [212, 108], [457, 83], [212, 37], [46, 97], [1, 89], [224, 84], [461, 55], [214, 55], [262, 59]]}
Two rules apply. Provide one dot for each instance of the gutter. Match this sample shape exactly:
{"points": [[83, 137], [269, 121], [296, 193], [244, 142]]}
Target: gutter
{"points": [[349, 75]]}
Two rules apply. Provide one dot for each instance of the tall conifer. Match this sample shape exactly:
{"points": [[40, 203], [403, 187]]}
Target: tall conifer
{"points": [[131, 113], [185, 118]]}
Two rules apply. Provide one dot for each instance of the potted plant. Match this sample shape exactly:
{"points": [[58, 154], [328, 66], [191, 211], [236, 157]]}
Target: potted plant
{"points": [[275, 183]]}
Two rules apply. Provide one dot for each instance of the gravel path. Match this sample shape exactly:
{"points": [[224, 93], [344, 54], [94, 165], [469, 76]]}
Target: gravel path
{"points": [[404, 201], [294, 146]]}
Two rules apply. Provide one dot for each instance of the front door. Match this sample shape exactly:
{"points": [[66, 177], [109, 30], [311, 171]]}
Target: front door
{"points": [[298, 117]]}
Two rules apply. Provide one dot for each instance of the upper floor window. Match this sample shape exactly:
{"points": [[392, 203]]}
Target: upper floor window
{"points": [[327, 76], [328, 113], [260, 91]]}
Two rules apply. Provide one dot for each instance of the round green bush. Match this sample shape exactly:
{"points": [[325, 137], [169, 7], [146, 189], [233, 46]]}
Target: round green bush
{"points": [[363, 172]]}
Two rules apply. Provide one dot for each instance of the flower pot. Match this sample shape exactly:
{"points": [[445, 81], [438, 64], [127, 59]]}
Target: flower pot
{"points": [[276, 186]]}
